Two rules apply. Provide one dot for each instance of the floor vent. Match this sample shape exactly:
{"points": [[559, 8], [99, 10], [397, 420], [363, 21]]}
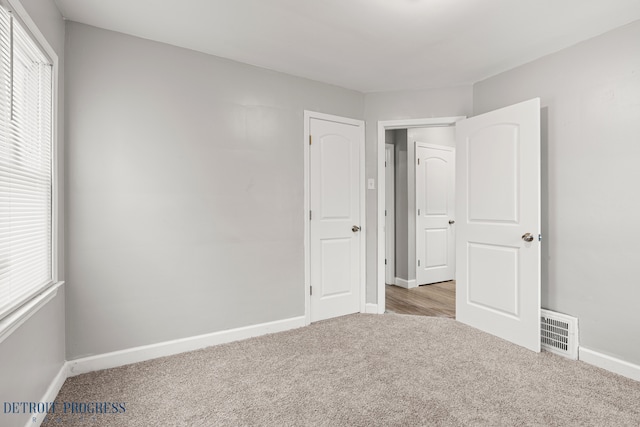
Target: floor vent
{"points": [[559, 334]]}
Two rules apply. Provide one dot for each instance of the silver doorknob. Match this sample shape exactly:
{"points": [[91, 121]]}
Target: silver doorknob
{"points": [[451, 222], [355, 228], [527, 237]]}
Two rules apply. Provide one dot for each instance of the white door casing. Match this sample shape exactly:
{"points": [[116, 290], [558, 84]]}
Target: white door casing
{"points": [[497, 204], [336, 216], [380, 253], [435, 213], [390, 246]]}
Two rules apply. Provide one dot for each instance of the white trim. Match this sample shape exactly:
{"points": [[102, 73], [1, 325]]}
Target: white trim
{"points": [[17, 317], [57, 180], [308, 115], [390, 217], [307, 222], [371, 308], [419, 123], [363, 218], [610, 363], [16, 6], [35, 420], [382, 126], [408, 284], [332, 118], [168, 348], [153, 351], [412, 258]]}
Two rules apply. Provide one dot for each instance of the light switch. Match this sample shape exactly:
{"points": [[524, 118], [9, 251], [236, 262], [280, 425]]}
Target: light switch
{"points": [[371, 184]]}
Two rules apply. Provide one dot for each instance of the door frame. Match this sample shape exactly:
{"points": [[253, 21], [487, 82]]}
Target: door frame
{"points": [[308, 115], [391, 125], [391, 216]]}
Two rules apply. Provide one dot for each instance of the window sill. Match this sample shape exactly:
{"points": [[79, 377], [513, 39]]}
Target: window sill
{"points": [[22, 314]]}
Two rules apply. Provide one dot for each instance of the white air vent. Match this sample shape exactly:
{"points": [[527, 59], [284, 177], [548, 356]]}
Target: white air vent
{"points": [[559, 334]]}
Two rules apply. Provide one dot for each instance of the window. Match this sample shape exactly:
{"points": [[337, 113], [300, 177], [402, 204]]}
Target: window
{"points": [[26, 166]]}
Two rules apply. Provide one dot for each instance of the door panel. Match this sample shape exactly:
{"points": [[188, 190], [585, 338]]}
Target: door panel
{"points": [[335, 177], [493, 277], [436, 247], [435, 188], [497, 146], [334, 196], [436, 176], [336, 273], [498, 201]]}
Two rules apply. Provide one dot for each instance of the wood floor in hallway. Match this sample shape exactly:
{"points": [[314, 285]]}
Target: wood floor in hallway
{"points": [[437, 300]]}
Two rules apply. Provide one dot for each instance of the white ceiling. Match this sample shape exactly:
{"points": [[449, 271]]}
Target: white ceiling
{"points": [[366, 45]]}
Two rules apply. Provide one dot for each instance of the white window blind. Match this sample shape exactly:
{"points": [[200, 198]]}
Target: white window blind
{"points": [[26, 97]]}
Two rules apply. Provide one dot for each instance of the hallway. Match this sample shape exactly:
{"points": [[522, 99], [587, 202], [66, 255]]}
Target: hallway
{"points": [[437, 300]]}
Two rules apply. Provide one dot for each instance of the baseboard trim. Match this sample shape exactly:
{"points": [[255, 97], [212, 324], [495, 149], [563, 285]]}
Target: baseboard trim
{"points": [[168, 348], [406, 283], [618, 366], [50, 395]]}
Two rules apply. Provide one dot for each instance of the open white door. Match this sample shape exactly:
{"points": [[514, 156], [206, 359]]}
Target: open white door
{"points": [[435, 199], [335, 216], [498, 220]]}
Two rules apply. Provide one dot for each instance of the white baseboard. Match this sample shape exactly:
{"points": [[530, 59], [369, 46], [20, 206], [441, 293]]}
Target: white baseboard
{"points": [[610, 363], [50, 395], [406, 283], [168, 348], [371, 308]]}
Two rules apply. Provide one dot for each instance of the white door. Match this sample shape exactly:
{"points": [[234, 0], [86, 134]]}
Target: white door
{"points": [[335, 235], [389, 211], [435, 201], [498, 221]]}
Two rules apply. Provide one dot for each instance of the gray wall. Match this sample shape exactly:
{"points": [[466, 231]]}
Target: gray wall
{"points": [[185, 193], [31, 357], [591, 125], [390, 136], [439, 135], [33, 354], [444, 102]]}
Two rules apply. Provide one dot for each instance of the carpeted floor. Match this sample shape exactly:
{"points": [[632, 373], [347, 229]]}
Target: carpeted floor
{"points": [[359, 370]]}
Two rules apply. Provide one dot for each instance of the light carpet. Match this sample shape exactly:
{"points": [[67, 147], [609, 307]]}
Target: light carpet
{"points": [[359, 370]]}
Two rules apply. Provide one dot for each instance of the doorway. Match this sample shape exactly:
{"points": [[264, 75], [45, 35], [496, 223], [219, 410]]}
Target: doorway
{"points": [[417, 222], [435, 203], [498, 195]]}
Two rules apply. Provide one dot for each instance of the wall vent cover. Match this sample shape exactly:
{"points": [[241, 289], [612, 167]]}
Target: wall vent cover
{"points": [[559, 333]]}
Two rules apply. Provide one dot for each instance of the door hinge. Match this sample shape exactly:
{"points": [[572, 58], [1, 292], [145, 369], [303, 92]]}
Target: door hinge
{"points": [[385, 212], [539, 237], [310, 290], [418, 263], [418, 212], [418, 160], [385, 163], [310, 216], [309, 139], [385, 261]]}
